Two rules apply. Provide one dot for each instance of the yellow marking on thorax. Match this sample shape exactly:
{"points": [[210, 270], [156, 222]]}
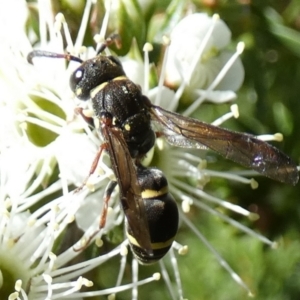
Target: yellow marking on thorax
{"points": [[120, 78], [127, 127], [99, 87]]}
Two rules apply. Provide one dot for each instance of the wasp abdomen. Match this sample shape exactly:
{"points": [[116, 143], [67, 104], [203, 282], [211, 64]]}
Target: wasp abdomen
{"points": [[161, 214]]}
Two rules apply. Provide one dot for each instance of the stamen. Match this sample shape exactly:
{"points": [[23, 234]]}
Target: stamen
{"points": [[52, 258], [240, 47], [233, 176], [176, 273], [99, 242], [87, 283], [122, 265], [13, 296], [135, 275], [25, 203], [42, 252], [48, 96], [44, 170], [156, 276], [185, 206], [41, 123], [1, 278], [83, 24], [70, 288], [235, 223], [114, 290], [278, 137], [205, 196], [105, 19], [124, 250], [59, 19], [70, 272], [42, 114], [199, 53], [234, 113], [167, 279], [221, 261], [24, 295], [44, 7], [217, 80], [18, 285], [166, 43], [98, 39], [48, 280], [147, 48], [196, 60], [253, 184], [70, 47], [183, 250]]}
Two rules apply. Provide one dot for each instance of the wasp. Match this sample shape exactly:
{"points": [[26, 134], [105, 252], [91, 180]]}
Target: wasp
{"points": [[126, 123]]}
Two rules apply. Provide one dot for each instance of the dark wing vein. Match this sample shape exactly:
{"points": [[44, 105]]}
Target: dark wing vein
{"points": [[244, 149], [130, 192]]}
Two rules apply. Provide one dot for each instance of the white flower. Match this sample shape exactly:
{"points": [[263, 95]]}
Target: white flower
{"points": [[197, 54], [29, 269]]}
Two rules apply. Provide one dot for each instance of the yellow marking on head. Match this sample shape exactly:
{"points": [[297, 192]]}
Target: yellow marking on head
{"points": [[78, 91]]}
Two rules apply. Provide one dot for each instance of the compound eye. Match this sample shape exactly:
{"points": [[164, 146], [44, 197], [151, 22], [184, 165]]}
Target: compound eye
{"points": [[76, 82], [77, 77]]}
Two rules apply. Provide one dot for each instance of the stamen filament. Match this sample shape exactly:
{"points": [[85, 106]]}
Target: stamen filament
{"points": [[83, 24], [167, 279], [221, 261], [176, 273], [235, 224], [216, 81], [233, 113], [236, 208], [114, 290]]}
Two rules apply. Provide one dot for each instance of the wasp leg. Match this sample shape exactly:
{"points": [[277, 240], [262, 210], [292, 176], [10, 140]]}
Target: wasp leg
{"points": [[107, 195], [108, 192], [93, 167], [113, 38], [87, 119]]}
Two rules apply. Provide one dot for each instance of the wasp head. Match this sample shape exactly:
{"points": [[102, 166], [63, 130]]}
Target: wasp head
{"points": [[93, 72]]}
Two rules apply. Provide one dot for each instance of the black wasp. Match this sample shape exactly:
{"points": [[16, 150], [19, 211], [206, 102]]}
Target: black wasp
{"points": [[126, 118]]}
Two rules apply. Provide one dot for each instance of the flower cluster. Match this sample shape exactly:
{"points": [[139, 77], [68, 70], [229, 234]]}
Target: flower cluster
{"points": [[47, 149]]}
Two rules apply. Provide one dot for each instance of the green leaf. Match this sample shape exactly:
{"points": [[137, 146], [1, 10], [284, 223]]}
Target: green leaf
{"points": [[38, 135], [288, 36], [129, 24], [163, 24], [283, 118]]}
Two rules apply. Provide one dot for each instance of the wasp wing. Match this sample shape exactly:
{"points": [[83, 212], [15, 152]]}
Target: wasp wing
{"points": [[130, 192], [244, 149]]}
